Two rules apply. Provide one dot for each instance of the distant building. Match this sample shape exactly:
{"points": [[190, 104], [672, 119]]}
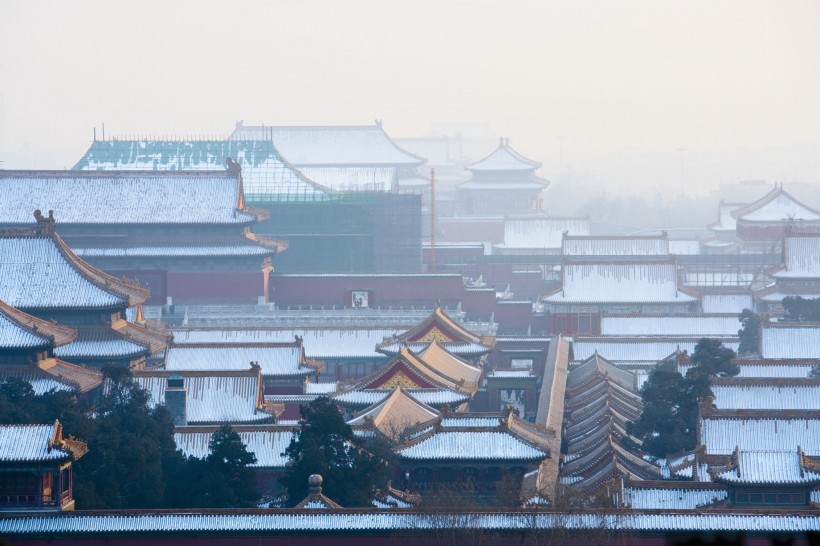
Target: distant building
{"points": [[762, 224]]}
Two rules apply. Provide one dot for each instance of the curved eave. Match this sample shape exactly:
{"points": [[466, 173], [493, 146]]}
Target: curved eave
{"points": [[52, 334]]}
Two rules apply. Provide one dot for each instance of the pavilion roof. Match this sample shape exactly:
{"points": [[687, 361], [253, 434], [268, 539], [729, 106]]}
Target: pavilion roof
{"points": [[776, 206], [38, 443], [124, 197], [19, 330], [39, 271], [449, 365], [358, 145], [541, 232], [504, 158], [438, 326], [399, 411], [784, 467]]}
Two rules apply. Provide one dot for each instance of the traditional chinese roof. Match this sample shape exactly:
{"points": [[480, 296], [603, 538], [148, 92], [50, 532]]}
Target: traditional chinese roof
{"points": [[54, 374], [282, 360], [722, 434], [449, 365], [251, 245], [19, 330], [320, 343], [764, 368], [672, 495], [777, 206], [726, 303], [328, 146], [650, 349], [213, 396], [779, 341], [396, 413], [619, 282], [766, 394], [265, 175], [41, 272], [38, 443], [541, 232], [726, 222], [767, 467], [670, 325], [801, 254], [583, 244], [409, 371], [267, 442], [441, 328], [504, 158], [123, 197], [316, 500], [101, 344]]}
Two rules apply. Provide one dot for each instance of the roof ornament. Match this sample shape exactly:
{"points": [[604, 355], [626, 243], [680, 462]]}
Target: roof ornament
{"points": [[45, 226]]}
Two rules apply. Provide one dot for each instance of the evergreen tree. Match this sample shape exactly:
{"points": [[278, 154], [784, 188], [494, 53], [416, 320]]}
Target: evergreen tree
{"points": [[326, 445], [798, 309], [749, 333]]}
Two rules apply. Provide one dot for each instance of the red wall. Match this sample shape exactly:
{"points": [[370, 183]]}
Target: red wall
{"points": [[514, 316], [215, 287]]}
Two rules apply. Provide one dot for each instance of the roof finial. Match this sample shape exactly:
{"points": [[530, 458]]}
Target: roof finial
{"points": [[45, 226]]}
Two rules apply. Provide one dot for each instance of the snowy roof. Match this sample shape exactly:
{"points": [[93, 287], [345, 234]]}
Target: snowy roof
{"points": [[399, 411], [266, 442], [100, 343], [19, 330], [466, 420], [604, 282], [669, 325], [274, 361], [449, 365], [718, 277], [768, 467], [684, 497], [430, 397], [40, 272], [726, 222], [541, 232], [389, 521], [772, 370], [580, 244], [331, 145], [40, 382], [218, 397], [684, 246], [353, 178], [776, 206], [808, 293], [504, 158], [37, 443], [511, 373], [770, 394], [802, 257], [790, 341], [652, 349], [264, 173], [122, 197], [722, 435], [726, 303], [472, 446], [320, 343], [200, 250]]}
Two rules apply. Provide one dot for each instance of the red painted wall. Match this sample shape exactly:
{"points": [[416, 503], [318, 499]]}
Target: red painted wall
{"points": [[515, 316], [215, 287]]}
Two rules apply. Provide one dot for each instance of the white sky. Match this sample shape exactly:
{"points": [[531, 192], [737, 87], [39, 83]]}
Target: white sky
{"points": [[737, 84]]}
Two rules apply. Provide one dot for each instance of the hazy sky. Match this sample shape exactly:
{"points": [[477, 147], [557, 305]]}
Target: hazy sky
{"points": [[736, 84]]}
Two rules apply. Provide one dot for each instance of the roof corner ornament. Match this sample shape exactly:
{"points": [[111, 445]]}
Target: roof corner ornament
{"points": [[233, 167], [45, 226]]}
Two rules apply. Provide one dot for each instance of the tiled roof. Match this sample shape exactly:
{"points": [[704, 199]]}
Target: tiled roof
{"points": [[399, 411], [455, 420], [790, 341], [685, 497], [265, 175], [444, 325], [429, 397], [510, 373], [770, 394], [267, 443], [541, 231], [173, 250], [274, 361], [726, 303], [255, 522], [471, 349], [802, 257], [100, 343], [504, 158], [37, 443], [681, 247], [353, 178], [767, 467], [219, 397], [19, 330], [808, 293], [722, 435], [580, 244], [725, 221], [122, 197], [79, 378], [648, 349], [320, 343], [472, 446], [35, 274], [40, 382], [449, 365], [776, 206], [669, 325], [773, 370], [364, 145], [619, 283]]}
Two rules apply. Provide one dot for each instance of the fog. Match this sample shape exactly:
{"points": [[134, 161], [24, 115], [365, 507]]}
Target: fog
{"points": [[640, 94]]}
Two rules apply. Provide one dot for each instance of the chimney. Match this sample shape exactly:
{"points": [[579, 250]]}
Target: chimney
{"points": [[176, 400]]}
